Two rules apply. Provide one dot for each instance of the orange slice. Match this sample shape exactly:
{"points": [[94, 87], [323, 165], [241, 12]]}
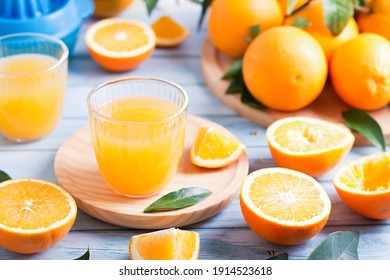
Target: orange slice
{"points": [[34, 215], [309, 145], [169, 33], [284, 206], [120, 44], [213, 148], [168, 244], [364, 185]]}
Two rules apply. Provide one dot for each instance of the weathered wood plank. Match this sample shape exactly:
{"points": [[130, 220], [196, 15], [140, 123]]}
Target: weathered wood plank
{"points": [[216, 244]]}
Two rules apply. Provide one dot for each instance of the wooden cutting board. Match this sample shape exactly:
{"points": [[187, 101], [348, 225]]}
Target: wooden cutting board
{"points": [[77, 171], [328, 106]]}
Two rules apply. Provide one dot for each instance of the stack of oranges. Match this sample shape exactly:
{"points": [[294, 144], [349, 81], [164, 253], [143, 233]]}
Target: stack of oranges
{"points": [[286, 67]]}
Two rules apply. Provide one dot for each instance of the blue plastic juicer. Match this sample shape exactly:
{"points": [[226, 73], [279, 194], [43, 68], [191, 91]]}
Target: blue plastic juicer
{"points": [[59, 18]]}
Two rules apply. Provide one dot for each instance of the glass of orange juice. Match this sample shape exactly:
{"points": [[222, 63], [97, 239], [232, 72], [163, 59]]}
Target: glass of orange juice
{"points": [[33, 75], [138, 127]]}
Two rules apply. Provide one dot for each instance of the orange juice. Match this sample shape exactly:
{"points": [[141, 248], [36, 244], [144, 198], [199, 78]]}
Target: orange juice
{"points": [[31, 95], [139, 152]]}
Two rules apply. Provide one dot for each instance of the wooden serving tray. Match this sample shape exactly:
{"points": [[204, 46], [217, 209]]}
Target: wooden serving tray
{"points": [[77, 171], [328, 106]]}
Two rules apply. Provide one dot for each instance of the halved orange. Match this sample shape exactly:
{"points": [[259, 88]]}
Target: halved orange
{"points": [[284, 206], [213, 148], [34, 215], [169, 33], [364, 185], [167, 244], [120, 44], [309, 145]]}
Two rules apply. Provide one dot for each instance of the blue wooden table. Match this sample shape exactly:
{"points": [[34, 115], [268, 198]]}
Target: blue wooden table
{"points": [[224, 236]]}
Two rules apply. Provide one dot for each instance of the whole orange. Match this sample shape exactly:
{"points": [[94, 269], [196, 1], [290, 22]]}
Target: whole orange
{"points": [[360, 72], [230, 20], [285, 68], [378, 21], [319, 30]]}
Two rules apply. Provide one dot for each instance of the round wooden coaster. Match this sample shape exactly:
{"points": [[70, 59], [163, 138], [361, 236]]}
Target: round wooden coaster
{"points": [[328, 106], [77, 171]]}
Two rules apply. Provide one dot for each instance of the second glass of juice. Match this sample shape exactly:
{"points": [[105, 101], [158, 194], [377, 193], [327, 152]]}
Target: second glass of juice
{"points": [[138, 128], [33, 76]]}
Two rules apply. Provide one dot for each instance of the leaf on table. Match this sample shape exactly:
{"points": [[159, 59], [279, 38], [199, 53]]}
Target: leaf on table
{"points": [[337, 14], [234, 71], [301, 23], [4, 176], [150, 5], [339, 245], [182, 198], [363, 123], [205, 6], [282, 256], [84, 257]]}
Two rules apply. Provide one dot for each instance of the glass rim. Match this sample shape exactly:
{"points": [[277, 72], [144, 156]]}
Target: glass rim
{"points": [[58, 63], [179, 112]]}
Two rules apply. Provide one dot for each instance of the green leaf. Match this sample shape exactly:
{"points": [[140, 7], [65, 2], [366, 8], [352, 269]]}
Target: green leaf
{"points": [[235, 86], [339, 245], [290, 6], [234, 71], [337, 14], [301, 23], [4, 176], [84, 257], [363, 123], [255, 30], [282, 256], [248, 99], [205, 5], [179, 199], [150, 5]]}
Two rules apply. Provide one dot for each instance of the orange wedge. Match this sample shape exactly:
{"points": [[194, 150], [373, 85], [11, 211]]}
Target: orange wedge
{"points": [[169, 33], [120, 44], [309, 145], [34, 215], [284, 206], [213, 148], [364, 185], [168, 244]]}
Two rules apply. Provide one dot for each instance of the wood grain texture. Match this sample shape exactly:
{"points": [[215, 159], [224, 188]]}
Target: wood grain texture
{"points": [[225, 235], [77, 171], [328, 106]]}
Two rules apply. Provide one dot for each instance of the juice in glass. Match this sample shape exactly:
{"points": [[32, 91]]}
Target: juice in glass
{"points": [[138, 138], [32, 86]]}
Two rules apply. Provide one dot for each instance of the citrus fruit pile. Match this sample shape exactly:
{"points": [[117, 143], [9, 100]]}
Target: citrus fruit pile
{"points": [[285, 67]]}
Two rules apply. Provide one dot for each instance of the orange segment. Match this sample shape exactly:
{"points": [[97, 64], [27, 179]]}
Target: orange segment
{"points": [[213, 148], [308, 145], [169, 244], [284, 206], [169, 33], [34, 215], [120, 44], [364, 185]]}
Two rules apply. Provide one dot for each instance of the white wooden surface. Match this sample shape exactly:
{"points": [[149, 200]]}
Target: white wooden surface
{"points": [[224, 236]]}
